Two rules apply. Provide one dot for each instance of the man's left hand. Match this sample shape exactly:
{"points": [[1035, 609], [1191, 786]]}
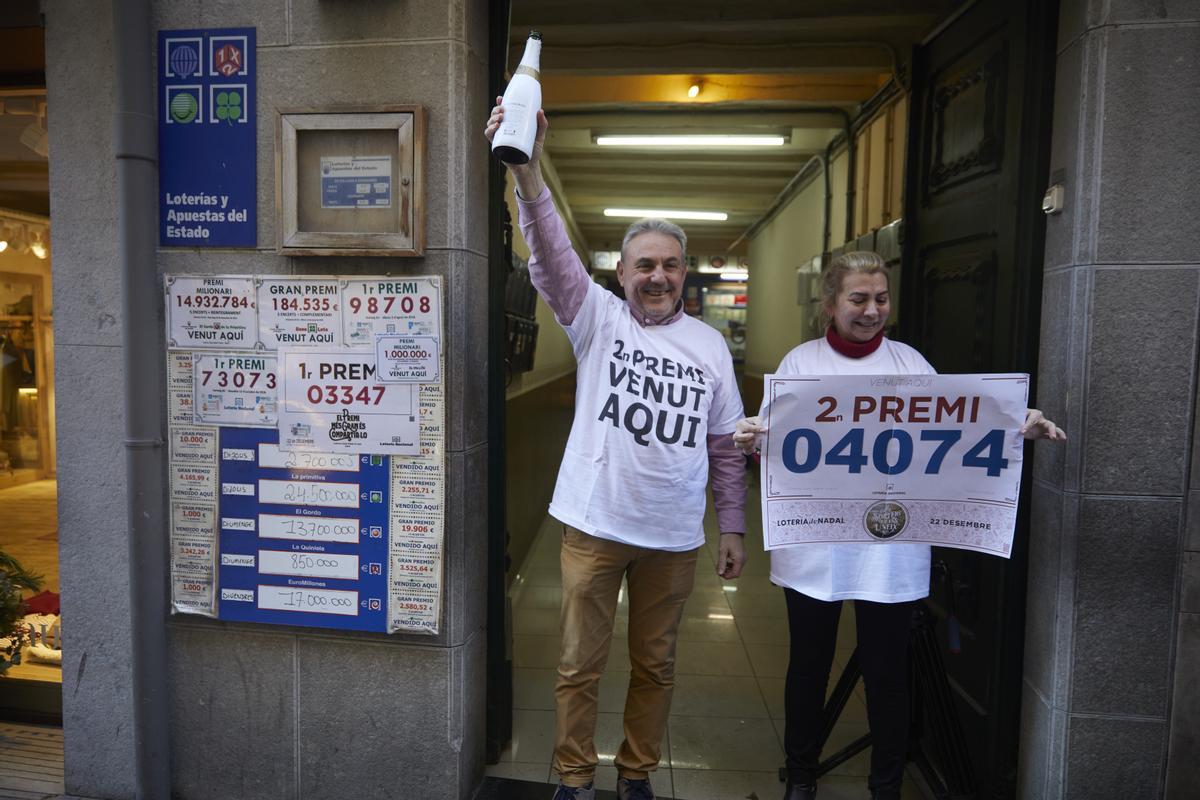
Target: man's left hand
{"points": [[731, 555]]}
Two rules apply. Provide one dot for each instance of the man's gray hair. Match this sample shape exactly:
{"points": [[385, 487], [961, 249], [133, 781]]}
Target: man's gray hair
{"points": [[653, 225]]}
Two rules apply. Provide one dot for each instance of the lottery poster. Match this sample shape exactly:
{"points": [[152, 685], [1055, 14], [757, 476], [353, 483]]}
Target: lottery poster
{"points": [[934, 459], [307, 477]]}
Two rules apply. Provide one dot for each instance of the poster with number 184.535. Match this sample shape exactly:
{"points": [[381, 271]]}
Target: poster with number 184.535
{"points": [[893, 458]]}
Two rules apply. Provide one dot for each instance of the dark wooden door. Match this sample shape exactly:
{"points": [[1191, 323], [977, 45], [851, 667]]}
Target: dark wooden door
{"points": [[978, 150]]}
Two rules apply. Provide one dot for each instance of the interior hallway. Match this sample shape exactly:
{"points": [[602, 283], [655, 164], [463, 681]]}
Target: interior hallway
{"points": [[725, 734]]}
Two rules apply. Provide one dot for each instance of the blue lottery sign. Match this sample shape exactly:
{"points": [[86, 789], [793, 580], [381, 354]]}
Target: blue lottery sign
{"points": [[356, 182], [206, 138], [303, 536]]}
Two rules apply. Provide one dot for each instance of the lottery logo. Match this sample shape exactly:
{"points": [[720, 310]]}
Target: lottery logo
{"points": [[228, 60], [885, 520], [183, 104], [227, 103], [183, 58]]}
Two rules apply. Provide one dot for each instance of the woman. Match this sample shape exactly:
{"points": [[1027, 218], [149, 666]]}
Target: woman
{"points": [[885, 581]]}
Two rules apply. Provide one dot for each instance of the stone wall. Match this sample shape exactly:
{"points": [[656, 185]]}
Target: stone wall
{"points": [[1111, 703], [258, 711]]}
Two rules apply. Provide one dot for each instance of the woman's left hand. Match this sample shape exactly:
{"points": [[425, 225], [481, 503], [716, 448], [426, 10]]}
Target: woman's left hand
{"points": [[1038, 427]]}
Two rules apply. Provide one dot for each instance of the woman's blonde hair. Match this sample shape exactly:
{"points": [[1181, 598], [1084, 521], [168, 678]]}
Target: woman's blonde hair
{"points": [[863, 262]]}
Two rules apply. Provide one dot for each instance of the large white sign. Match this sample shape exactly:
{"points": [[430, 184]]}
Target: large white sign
{"points": [[376, 306], [332, 403], [212, 312], [899, 458]]}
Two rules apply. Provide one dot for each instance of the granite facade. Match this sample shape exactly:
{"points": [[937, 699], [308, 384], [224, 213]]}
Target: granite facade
{"points": [[1111, 704], [262, 711]]}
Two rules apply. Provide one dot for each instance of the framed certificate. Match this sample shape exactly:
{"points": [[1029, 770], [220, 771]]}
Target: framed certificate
{"points": [[350, 181]]}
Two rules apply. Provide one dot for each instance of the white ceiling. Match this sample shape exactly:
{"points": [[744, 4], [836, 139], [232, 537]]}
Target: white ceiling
{"points": [[765, 66]]}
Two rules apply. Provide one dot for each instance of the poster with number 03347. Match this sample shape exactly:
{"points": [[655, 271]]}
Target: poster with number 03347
{"points": [[934, 459]]}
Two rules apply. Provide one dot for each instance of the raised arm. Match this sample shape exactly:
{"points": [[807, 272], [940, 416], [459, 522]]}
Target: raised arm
{"points": [[554, 266]]}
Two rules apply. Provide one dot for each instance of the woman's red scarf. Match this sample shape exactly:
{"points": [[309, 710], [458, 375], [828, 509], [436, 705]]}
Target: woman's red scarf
{"points": [[852, 349]]}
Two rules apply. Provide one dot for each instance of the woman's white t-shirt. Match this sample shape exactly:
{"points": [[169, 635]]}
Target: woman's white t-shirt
{"points": [[885, 572], [636, 465]]}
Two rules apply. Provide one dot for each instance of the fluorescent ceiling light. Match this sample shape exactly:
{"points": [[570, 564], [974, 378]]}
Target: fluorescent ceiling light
{"points": [[713, 140], [637, 213]]}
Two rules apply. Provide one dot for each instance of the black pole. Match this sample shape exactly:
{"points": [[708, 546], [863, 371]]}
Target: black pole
{"points": [[499, 659]]}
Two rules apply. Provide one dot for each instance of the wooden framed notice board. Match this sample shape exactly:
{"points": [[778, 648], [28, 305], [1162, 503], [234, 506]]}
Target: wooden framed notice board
{"points": [[350, 181]]}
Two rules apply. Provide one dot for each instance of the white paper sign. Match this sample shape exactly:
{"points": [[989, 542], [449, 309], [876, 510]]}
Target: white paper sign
{"points": [[211, 312], [379, 306], [313, 601], [332, 403], [179, 388], [294, 312], [193, 445], [193, 549], [235, 389], [408, 359], [909, 458], [193, 483]]}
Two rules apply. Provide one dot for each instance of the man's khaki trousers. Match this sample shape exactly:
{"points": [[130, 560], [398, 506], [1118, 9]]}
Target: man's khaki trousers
{"points": [[659, 583]]}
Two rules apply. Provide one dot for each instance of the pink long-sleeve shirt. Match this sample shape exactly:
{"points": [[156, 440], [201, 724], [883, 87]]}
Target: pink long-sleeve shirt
{"points": [[560, 278]]}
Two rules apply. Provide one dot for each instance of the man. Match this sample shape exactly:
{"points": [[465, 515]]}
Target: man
{"points": [[656, 402]]}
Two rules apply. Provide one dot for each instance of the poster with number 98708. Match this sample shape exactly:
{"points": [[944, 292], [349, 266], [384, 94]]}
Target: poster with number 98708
{"points": [[934, 459]]}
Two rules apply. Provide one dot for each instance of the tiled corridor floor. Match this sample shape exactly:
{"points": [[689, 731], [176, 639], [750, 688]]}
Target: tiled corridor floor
{"points": [[725, 734]]}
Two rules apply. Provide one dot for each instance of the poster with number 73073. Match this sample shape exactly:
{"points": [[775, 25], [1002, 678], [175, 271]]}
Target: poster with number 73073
{"points": [[934, 459]]}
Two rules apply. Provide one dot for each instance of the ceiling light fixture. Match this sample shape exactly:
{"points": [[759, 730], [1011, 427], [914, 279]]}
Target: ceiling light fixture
{"points": [[34, 135], [36, 138], [17, 242], [22, 233], [694, 89], [38, 245], [697, 140], [637, 213]]}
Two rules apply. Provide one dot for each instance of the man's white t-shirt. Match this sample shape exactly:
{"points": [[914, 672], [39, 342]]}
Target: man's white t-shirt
{"points": [[885, 572], [636, 465]]}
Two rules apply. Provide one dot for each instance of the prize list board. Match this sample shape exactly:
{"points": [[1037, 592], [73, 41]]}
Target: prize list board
{"points": [[307, 468], [302, 534]]}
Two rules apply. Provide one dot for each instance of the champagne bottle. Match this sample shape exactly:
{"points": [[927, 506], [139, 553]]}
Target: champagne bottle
{"points": [[513, 143]]}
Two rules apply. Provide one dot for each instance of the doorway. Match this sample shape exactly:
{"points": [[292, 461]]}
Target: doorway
{"points": [[849, 186], [30, 688]]}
